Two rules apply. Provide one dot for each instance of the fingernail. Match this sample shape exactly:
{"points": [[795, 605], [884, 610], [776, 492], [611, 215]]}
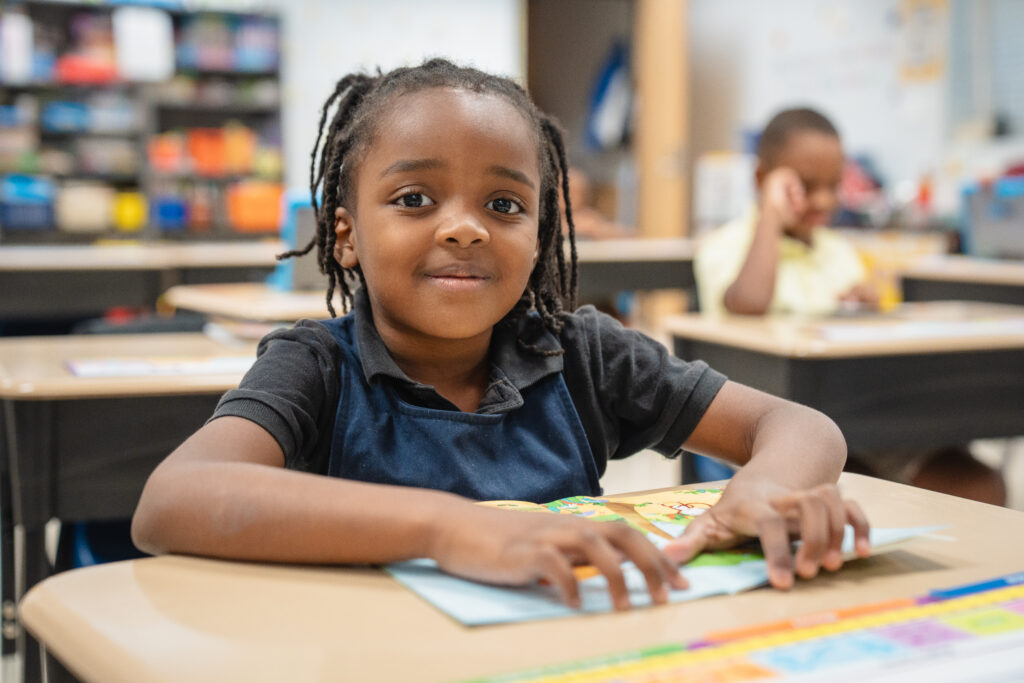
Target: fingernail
{"points": [[782, 580]]}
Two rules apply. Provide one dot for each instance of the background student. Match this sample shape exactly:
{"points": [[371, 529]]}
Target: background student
{"points": [[780, 257], [460, 376]]}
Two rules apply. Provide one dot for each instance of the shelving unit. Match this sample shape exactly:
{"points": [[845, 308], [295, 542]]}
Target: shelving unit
{"points": [[86, 155]]}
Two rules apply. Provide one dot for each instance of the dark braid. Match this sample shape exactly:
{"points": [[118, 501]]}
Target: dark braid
{"points": [[360, 101]]}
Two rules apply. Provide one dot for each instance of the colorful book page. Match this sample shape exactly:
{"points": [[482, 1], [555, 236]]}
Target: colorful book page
{"points": [[661, 516]]}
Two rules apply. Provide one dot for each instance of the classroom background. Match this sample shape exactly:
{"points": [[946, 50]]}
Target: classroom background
{"points": [[149, 147]]}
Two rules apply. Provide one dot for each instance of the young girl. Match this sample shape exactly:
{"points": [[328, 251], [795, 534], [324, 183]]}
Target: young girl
{"points": [[459, 376]]}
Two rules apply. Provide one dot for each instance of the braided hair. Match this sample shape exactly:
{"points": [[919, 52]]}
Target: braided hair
{"points": [[360, 100]]}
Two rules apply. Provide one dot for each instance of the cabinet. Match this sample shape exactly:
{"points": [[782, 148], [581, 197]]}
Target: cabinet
{"points": [[92, 146]]}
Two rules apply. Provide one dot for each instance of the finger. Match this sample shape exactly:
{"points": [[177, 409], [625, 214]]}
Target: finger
{"points": [[556, 569], [673, 574], [690, 544], [861, 529], [775, 544], [607, 560], [833, 559], [814, 535], [648, 559], [795, 194]]}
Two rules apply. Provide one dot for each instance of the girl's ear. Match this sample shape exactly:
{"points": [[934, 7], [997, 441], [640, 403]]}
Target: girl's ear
{"points": [[345, 238]]}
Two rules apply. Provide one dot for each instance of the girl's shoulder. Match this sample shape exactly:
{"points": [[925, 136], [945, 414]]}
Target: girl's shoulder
{"points": [[305, 336], [589, 327]]}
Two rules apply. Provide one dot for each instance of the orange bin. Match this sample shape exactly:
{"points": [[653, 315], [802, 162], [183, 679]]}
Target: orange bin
{"points": [[255, 206], [207, 148]]}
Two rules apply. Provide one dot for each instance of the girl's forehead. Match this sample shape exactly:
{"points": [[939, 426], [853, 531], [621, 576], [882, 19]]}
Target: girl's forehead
{"points": [[445, 121], [446, 107]]}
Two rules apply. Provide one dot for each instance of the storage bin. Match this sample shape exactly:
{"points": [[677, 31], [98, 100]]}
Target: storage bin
{"points": [[255, 206], [26, 203], [84, 207], [129, 211], [993, 219]]}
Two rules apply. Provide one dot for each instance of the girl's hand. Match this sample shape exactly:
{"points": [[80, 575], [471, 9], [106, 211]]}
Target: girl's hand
{"points": [[517, 548], [817, 515]]}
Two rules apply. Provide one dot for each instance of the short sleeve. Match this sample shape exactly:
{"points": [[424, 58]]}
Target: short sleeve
{"points": [[629, 391], [292, 391]]}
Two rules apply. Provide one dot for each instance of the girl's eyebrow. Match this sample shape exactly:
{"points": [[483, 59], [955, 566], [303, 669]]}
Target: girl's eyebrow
{"points": [[405, 165], [512, 174]]}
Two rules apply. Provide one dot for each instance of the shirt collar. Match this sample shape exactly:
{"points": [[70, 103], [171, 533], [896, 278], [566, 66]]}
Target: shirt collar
{"points": [[513, 368]]}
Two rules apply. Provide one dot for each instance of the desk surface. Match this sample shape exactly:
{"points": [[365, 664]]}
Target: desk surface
{"points": [[635, 249], [158, 256], [923, 327], [967, 269], [180, 618], [250, 301], [35, 368]]}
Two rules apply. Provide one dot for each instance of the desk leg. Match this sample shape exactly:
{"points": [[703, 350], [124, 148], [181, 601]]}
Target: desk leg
{"points": [[8, 612]]}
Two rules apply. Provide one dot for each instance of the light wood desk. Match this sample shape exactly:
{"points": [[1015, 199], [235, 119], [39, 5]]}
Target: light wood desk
{"points": [[249, 301], [964, 277], [47, 281], [190, 619], [927, 375], [75, 448], [606, 267]]}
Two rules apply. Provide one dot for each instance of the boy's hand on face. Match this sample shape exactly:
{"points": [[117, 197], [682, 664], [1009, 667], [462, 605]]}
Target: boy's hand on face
{"points": [[517, 548], [783, 199], [774, 514]]}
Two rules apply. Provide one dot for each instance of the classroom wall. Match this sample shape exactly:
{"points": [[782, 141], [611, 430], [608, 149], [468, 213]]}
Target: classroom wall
{"points": [[876, 69], [325, 39]]}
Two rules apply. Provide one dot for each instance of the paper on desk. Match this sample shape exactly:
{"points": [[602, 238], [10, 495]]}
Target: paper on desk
{"points": [[716, 573], [160, 366]]}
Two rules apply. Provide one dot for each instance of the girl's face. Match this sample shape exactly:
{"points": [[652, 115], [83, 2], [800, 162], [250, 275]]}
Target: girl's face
{"points": [[446, 213]]}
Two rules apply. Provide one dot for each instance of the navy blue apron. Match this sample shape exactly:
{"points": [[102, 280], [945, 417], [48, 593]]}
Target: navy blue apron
{"points": [[537, 452]]}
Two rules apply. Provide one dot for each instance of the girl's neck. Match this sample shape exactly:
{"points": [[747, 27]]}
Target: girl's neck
{"points": [[459, 369]]}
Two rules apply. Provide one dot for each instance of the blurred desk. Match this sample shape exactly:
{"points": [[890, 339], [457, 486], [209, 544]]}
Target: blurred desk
{"points": [[80, 448], [189, 619], [249, 301], [606, 267], [50, 281], [925, 375], [965, 278]]}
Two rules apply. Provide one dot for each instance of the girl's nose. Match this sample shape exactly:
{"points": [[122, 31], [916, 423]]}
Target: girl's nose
{"points": [[463, 229]]}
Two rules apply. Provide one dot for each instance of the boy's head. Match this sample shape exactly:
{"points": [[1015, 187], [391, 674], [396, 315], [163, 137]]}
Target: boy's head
{"points": [[363, 101], [806, 142]]}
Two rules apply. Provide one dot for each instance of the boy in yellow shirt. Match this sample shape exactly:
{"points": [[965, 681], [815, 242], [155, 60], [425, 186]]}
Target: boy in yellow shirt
{"points": [[780, 257]]}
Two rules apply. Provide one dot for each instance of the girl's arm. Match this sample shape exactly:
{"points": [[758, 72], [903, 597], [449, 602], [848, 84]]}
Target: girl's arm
{"points": [[791, 458], [224, 492]]}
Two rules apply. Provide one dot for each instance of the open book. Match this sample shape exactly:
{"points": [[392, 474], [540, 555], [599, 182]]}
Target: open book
{"points": [[662, 516]]}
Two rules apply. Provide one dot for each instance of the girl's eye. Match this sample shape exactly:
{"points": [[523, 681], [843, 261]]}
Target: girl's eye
{"points": [[414, 200], [504, 206]]}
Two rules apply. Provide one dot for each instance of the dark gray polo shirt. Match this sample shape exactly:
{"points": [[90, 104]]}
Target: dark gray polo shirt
{"points": [[629, 392]]}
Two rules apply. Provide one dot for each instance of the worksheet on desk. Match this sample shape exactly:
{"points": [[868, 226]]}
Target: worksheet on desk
{"points": [[661, 516], [160, 366]]}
